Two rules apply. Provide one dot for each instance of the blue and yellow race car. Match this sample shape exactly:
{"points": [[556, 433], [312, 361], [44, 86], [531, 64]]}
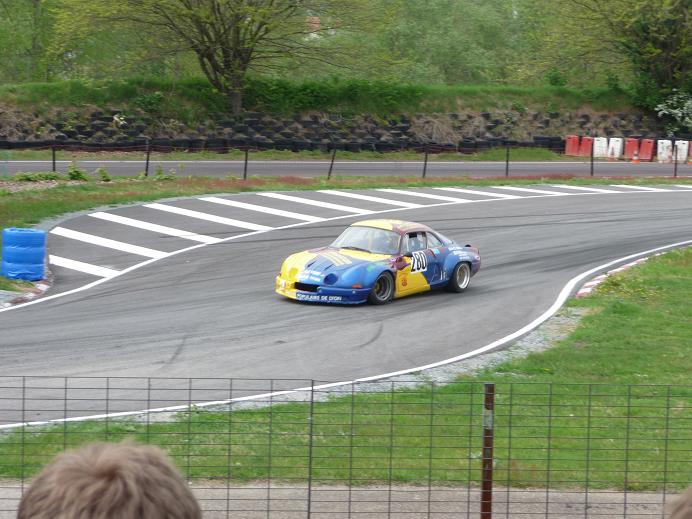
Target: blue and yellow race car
{"points": [[377, 261]]}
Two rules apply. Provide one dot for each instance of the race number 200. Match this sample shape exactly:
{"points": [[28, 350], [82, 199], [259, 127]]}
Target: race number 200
{"points": [[419, 262]]}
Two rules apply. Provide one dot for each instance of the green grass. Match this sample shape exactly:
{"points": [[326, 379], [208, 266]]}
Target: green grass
{"points": [[570, 411], [194, 98], [494, 154]]}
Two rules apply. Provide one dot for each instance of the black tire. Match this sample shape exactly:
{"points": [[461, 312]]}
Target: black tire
{"points": [[461, 277], [383, 291]]}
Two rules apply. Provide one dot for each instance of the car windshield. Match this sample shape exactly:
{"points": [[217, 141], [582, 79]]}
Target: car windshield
{"points": [[368, 239]]}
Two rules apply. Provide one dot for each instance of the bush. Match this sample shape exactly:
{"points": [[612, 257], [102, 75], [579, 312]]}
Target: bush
{"points": [[678, 109], [37, 177], [151, 103], [103, 174], [555, 78], [161, 175], [74, 173]]}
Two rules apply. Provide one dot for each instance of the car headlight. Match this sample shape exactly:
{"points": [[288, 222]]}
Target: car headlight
{"points": [[330, 279]]}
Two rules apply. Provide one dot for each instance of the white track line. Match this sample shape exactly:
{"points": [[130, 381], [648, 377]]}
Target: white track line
{"points": [[111, 244], [552, 310], [376, 199], [528, 190], [208, 217], [425, 195], [262, 209], [87, 268], [162, 229], [474, 192], [316, 203], [588, 189], [688, 187], [640, 188]]}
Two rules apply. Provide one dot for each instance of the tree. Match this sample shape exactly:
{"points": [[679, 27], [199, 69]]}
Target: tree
{"points": [[654, 35], [228, 37], [25, 27]]}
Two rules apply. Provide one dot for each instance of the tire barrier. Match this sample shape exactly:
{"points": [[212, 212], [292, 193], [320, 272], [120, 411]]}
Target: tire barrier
{"points": [[646, 150], [600, 148], [632, 149], [23, 254]]}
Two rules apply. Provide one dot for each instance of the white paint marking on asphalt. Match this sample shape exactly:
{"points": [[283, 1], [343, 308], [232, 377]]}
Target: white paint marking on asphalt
{"points": [[425, 195], [640, 188], [307, 201], [528, 190], [208, 217], [111, 244], [139, 224], [687, 187], [262, 209], [377, 199], [474, 192], [588, 189], [561, 298], [87, 268]]}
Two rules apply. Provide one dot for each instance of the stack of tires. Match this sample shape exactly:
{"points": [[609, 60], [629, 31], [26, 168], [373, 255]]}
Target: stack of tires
{"points": [[23, 254]]}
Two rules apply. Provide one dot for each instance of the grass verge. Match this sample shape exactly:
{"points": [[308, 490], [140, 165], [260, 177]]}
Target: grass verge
{"points": [[568, 417]]}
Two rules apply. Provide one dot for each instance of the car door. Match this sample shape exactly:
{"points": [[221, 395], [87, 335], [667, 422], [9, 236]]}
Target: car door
{"points": [[437, 253], [419, 269]]}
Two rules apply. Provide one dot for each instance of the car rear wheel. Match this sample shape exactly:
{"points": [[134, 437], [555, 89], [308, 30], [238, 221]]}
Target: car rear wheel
{"points": [[383, 291], [461, 276]]}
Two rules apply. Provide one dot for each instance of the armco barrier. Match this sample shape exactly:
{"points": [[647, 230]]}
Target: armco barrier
{"points": [[572, 145], [23, 254]]}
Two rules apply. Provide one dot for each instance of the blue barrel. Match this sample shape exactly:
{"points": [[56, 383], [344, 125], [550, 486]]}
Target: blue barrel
{"points": [[23, 253]]}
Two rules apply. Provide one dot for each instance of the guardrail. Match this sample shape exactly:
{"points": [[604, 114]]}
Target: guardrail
{"points": [[301, 448]]}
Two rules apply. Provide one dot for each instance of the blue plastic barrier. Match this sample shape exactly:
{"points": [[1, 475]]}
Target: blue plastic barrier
{"points": [[23, 253]]}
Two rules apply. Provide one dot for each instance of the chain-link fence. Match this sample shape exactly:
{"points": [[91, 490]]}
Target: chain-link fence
{"points": [[296, 449]]}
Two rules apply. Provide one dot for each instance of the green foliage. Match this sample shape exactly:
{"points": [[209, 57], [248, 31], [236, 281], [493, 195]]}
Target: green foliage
{"points": [[281, 96], [161, 176], [678, 109], [150, 102], [37, 177], [103, 174], [555, 78], [74, 173]]}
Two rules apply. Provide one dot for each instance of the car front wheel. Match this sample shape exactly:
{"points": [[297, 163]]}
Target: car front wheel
{"points": [[461, 276], [383, 291]]}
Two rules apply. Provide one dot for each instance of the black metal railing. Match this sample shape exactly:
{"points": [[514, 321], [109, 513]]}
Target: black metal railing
{"points": [[301, 448]]}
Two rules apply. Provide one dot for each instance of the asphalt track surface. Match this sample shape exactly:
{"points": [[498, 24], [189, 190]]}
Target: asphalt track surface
{"points": [[221, 168], [212, 311]]}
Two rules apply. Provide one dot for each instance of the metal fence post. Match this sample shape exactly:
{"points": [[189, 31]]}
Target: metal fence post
{"points": [[507, 159], [52, 153], [488, 441], [331, 164], [247, 149], [592, 147], [5, 166], [311, 433], [425, 161], [146, 164], [675, 160]]}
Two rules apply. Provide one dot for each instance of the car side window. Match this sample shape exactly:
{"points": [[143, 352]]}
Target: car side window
{"points": [[414, 241], [433, 241]]}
